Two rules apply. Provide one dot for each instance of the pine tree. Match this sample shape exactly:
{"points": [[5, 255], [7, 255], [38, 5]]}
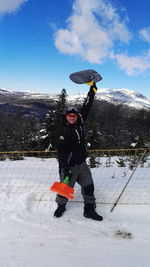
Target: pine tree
{"points": [[61, 105], [93, 137], [53, 122]]}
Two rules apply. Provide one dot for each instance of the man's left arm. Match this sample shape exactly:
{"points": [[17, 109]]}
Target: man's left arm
{"points": [[88, 101]]}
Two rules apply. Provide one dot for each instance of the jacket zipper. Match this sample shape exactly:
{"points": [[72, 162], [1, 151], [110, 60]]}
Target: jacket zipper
{"points": [[78, 135]]}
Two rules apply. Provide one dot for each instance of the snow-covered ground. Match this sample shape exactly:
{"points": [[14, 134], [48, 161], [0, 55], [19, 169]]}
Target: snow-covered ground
{"points": [[30, 235]]}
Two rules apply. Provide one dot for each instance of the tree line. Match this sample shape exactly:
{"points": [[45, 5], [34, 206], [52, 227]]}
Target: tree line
{"points": [[108, 126]]}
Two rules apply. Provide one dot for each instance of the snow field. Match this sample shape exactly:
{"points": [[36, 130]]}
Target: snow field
{"points": [[36, 175], [31, 236]]}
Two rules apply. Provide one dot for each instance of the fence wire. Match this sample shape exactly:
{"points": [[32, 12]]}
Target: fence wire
{"points": [[34, 172]]}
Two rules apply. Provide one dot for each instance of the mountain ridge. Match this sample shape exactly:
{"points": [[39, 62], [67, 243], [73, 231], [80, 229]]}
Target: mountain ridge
{"points": [[116, 96], [119, 96]]}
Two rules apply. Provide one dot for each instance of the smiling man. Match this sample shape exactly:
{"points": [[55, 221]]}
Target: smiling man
{"points": [[72, 157], [72, 117]]}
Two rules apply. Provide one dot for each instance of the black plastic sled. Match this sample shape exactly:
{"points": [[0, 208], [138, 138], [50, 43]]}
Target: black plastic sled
{"points": [[85, 76]]}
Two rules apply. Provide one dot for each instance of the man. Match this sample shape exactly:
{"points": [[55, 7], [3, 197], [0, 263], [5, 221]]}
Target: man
{"points": [[72, 158]]}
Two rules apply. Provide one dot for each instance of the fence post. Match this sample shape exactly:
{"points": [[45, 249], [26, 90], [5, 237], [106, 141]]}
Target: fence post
{"points": [[115, 204]]}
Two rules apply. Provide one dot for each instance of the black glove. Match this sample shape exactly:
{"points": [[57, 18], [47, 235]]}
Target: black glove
{"points": [[93, 88], [67, 172]]}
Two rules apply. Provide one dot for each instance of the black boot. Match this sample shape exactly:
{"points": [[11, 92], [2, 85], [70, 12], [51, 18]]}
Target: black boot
{"points": [[60, 210], [89, 212]]}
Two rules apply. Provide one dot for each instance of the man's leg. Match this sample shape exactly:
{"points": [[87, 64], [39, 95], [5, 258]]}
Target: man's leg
{"points": [[61, 200], [87, 189], [89, 203]]}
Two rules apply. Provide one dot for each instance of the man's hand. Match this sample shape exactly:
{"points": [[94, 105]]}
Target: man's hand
{"points": [[67, 172], [93, 88]]}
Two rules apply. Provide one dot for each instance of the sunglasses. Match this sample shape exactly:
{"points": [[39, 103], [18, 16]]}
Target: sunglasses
{"points": [[71, 116]]}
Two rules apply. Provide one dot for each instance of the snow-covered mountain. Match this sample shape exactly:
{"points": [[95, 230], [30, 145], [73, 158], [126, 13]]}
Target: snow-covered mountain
{"points": [[124, 96], [26, 94], [117, 96]]}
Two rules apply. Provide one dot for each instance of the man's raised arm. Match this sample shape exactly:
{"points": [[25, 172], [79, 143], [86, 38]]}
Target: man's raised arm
{"points": [[88, 101]]}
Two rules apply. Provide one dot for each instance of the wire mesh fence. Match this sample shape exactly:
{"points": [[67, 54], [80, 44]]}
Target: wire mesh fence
{"points": [[34, 172]]}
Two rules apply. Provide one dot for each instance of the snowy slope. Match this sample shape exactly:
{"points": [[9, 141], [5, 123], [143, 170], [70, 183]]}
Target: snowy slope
{"points": [[116, 96], [31, 237], [124, 96], [26, 94]]}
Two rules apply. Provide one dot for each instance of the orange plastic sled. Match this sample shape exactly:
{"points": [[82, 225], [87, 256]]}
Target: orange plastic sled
{"points": [[63, 189]]}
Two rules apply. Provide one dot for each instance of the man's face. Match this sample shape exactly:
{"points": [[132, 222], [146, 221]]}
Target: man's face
{"points": [[71, 118]]}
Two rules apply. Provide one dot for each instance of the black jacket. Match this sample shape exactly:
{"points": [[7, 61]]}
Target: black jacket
{"points": [[71, 145]]}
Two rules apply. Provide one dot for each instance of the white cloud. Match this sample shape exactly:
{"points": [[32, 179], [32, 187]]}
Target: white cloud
{"points": [[95, 30], [8, 6], [133, 65], [145, 34], [91, 31]]}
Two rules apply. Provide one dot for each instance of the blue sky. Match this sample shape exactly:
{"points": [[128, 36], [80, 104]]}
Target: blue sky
{"points": [[42, 42]]}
